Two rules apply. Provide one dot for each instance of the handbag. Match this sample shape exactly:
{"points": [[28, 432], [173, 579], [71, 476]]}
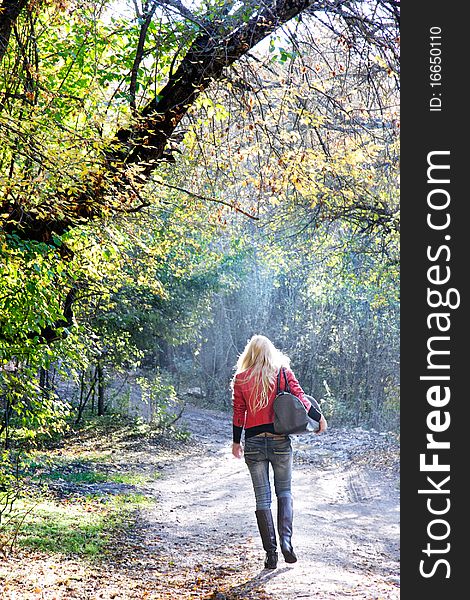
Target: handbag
{"points": [[290, 415]]}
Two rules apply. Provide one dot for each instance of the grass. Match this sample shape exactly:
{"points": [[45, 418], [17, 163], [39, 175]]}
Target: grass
{"points": [[131, 478], [83, 523], [82, 527], [90, 477], [66, 508], [78, 471]]}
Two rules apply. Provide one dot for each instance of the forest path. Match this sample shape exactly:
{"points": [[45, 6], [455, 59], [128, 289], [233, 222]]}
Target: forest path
{"points": [[346, 523], [198, 538]]}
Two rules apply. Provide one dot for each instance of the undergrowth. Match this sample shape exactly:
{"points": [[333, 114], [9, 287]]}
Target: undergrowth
{"points": [[82, 527], [58, 499]]}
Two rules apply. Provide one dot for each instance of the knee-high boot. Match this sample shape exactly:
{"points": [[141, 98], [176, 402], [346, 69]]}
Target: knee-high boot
{"points": [[265, 522], [285, 514]]}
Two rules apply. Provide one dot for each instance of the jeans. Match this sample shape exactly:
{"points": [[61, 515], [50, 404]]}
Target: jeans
{"points": [[259, 453]]}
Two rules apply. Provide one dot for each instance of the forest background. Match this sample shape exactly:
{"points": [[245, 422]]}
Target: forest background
{"points": [[175, 177]]}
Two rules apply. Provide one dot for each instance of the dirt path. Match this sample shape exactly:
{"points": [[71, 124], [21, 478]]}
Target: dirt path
{"points": [[346, 529], [200, 541]]}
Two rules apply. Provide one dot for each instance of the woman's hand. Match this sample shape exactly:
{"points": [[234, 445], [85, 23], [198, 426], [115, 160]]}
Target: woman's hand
{"points": [[237, 450], [323, 425]]}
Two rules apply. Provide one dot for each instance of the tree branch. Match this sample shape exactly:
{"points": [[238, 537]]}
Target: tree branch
{"points": [[147, 18], [142, 145], [144, 142], [232, 205], [9, 12]]}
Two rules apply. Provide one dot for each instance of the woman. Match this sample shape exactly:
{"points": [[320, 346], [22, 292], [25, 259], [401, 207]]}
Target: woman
{"points": [[254, 389]]}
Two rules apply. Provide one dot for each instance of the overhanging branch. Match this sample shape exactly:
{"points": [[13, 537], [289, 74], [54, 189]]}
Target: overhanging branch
{"points": [[207, 58], [233, 205]]}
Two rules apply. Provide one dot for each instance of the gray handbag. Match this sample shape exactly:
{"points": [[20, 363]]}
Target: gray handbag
{"points": [[290, 415]]}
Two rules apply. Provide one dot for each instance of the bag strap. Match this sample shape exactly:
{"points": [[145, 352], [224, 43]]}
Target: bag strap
{"points": [[286, 383]]}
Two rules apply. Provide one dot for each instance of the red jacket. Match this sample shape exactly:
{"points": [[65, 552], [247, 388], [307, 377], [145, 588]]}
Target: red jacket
{"points": [[243, 416]]}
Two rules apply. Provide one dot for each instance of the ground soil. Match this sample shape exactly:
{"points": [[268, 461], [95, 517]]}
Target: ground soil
{"points": [[199, 540]]}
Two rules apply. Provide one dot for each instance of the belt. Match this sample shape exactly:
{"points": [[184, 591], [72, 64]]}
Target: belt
{"points": [[276, 436]]}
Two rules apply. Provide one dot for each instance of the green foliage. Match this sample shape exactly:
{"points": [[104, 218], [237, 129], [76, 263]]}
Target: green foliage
{"points": [[159, 395], [11, 466], [61, 108], [29, 412], [27, 306], [170, 279]]}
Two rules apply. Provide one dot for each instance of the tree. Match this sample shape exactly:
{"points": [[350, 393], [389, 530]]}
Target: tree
{"points": [[100, 115], [211, 40]]}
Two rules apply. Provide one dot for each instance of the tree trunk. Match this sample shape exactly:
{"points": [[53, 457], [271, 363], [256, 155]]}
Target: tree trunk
{"points": [[9, 12], [144, 142], [100, 378], [84, 400]]}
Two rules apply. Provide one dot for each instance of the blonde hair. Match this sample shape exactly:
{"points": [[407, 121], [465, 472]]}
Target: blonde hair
{"points": [[264, 361]]}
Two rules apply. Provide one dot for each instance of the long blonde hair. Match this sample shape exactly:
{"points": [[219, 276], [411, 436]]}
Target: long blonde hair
{"points": [[264, 361]]}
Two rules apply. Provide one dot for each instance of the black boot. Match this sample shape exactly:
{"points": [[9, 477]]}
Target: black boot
{"points": [[265, 521], [285, 513]]}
